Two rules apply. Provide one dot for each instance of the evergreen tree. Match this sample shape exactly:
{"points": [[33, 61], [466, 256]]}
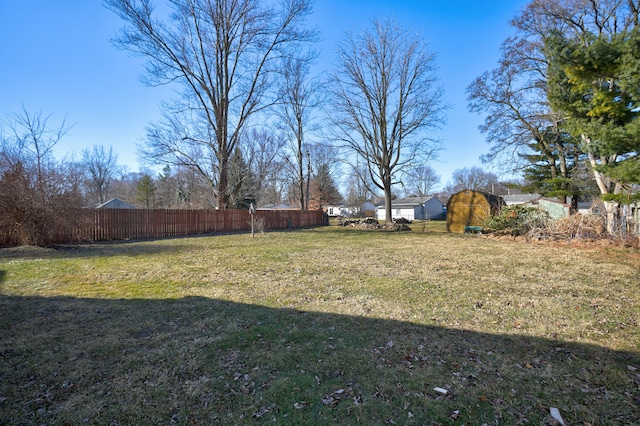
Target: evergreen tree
{"points": [[324, 190], [241, 182], [145, 191], [594, 81]]}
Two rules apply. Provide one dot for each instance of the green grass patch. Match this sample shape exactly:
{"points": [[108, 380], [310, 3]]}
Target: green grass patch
{"points": [[320, 326]]}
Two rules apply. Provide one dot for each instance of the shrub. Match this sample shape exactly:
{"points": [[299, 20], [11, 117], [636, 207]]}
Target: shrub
{"points": [[517, 220], [34, 211]]}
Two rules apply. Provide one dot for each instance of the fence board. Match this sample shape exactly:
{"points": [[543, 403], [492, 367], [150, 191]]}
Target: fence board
{"points": [[119, 224]]}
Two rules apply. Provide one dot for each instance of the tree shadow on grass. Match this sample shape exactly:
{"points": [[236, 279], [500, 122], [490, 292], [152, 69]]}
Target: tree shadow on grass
{"points": [[205, 361]]}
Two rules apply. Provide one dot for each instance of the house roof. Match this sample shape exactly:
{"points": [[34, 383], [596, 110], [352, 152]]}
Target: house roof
{"points": [[279, 207], [494, 200], [115, 203], [520, 198], [409, 202]]}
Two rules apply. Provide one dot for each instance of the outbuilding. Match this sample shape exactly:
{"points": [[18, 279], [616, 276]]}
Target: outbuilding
{"points": [[471, 208]]}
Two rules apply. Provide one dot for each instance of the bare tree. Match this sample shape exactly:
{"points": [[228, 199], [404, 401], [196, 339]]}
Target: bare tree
{"points": [[101, 167], [299, 95], [34, 139], [473, 178], [264, 150], [225, 54], [524, 132], [385, 100], [420, 181]]}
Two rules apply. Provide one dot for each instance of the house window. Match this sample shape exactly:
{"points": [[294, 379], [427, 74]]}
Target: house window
{"points": [[398, 212]]}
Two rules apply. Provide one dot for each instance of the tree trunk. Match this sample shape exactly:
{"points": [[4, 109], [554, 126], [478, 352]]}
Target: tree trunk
{"points": [[612, 208], [223, 183], [300, 176], [387, 203]]}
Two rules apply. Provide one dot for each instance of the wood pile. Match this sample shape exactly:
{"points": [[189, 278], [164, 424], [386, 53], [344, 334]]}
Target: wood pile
{"points": [[371, 223]]}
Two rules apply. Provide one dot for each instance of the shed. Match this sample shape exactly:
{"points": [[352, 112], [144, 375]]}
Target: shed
{"points": [[555, 209], [414, 208], [471, 208]]}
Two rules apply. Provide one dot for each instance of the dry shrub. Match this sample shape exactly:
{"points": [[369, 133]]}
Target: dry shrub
{"points": [[38, 212], [260, 225]]}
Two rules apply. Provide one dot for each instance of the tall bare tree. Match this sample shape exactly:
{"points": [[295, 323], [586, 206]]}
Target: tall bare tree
{"points": [[299, 97], [421, 180], [385, 101], [101, 167], [225, 55]]}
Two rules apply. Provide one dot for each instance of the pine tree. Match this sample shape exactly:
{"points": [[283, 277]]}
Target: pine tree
{"points": [[324, 190], [146, 190]]}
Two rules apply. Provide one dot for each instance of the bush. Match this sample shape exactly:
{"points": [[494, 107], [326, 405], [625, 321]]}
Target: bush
{"points": [[40, 198], [517, 220], [37, 212]]}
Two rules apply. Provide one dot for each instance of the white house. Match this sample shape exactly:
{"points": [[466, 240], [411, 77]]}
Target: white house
{"points": [[414, 208]]}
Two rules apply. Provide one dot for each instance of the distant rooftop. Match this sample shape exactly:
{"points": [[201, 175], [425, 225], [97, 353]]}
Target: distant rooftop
{"points": [[115, 203], [520, 198]]}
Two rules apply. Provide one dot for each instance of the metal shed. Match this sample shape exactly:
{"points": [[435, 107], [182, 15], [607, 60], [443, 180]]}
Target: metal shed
{"points": [[471, 208]]}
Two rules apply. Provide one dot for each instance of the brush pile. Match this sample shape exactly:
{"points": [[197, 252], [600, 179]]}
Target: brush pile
{"points": [[371, 223], [576, 226], [589, 228]]}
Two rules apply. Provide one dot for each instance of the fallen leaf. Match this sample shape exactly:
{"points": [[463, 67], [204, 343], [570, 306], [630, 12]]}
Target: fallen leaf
{"points": [[330, 400], [441, 390], [555, 413]]}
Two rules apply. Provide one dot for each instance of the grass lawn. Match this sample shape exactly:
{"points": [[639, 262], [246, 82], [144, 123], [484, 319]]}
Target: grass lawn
{"points": [[322, 326]]}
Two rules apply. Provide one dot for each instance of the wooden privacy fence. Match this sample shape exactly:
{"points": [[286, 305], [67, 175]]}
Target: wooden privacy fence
{"points": [[118, 224]]}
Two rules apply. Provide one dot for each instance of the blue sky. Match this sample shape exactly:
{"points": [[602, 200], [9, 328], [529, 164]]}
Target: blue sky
{"points": [[57, 58]]}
